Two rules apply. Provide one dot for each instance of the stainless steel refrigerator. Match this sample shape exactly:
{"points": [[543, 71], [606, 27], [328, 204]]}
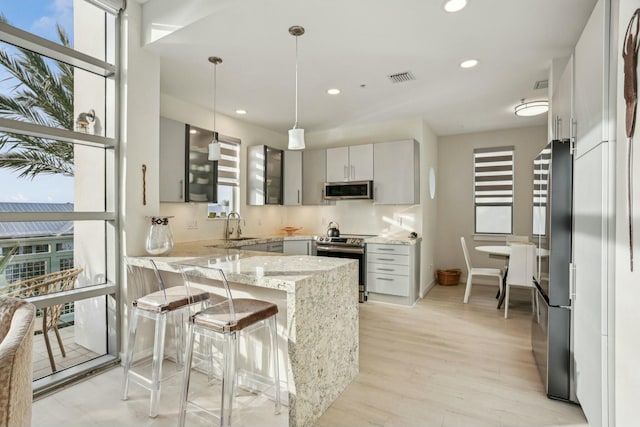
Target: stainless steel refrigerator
{"points": [[552, 225]]}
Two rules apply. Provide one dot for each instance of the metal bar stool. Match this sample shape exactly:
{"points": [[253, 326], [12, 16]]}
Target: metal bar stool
{"points": [[155, 301], [226, 319]]}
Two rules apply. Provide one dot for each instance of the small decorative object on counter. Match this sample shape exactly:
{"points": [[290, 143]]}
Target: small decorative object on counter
{"points": [[159, 239], [449, 277], [291, 230], [413, 235]]}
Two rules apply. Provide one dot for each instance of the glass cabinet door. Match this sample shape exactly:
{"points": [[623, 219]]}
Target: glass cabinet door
{"points": [[273, 176], [200, 171]]}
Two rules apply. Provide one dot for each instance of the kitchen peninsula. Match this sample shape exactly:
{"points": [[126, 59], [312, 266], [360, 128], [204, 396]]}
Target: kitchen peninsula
{"points": [[321, 309]]}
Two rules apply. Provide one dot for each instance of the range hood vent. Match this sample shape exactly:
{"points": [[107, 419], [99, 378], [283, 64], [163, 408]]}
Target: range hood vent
{"points": [[401, 77]]}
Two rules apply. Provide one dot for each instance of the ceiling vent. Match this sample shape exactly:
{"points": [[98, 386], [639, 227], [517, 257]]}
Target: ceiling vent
{"points": [[541, 84], [401, 77]]}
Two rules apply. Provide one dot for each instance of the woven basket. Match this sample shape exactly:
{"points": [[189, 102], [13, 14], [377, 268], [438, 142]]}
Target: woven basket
{"points": [[449, 277]]}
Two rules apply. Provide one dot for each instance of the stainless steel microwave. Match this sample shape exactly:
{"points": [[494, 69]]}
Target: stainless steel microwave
{"points": [[348, 190]]}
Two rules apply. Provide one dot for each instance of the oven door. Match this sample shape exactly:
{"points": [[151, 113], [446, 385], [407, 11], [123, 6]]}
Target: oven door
{"points": [[351, 253]]}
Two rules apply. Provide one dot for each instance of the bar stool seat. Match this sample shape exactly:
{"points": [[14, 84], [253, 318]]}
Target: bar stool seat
{"points": [[155, 301], [226, 319]]}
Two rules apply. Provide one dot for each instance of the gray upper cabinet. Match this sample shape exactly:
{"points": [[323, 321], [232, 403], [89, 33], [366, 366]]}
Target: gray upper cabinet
{"points": [[264, 175], [186, 174], [353, 163], [396, 168], [172, 149], [292, 177], [314, 169]]}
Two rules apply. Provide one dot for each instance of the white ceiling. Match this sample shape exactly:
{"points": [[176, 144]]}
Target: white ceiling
{"points": [[349, 43]]}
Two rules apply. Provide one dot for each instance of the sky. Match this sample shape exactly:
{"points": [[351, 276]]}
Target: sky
{"points": [[39, 17]]}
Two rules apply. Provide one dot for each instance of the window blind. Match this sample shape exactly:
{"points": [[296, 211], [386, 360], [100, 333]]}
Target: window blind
{"points": [[493, 189], [229, 164]]}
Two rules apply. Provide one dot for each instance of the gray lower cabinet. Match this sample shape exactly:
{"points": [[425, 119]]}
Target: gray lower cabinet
{"points": [[297, 247], [265, 247], [393, 273]]}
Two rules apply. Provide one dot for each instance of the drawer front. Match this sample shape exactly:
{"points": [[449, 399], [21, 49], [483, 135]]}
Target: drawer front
{"points": [[388, 259], [387, 284], [387, 269], [377, 248]]}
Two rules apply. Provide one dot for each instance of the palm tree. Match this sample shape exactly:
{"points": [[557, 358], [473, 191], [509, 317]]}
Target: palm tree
{"points": [[43, 95]]}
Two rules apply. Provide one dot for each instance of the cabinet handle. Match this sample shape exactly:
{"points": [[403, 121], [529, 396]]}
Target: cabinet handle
{"points": [[387, 249], [181, 189], [384, 278], [384, 269], [298, 196], [385, 259], [344, 173]]}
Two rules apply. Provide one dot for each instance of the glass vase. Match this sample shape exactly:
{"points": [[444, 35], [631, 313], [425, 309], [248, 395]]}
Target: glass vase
{"points": [[159, 239]]}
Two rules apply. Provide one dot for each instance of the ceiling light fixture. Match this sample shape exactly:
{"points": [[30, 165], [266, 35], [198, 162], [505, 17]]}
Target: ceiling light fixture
{"points": [[469, 63], [214, 146], [333, 91], [241, 112], [454, 5], [532, 108], [296, 135]]}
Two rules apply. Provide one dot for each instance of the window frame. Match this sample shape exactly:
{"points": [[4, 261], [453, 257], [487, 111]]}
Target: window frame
{"points": [[109, 289]]}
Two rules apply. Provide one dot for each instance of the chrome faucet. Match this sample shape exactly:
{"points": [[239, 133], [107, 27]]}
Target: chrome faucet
{"points": [[228, 232]]}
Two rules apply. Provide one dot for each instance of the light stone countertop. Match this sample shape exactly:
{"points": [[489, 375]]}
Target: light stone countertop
{"points": [[394, 240], [321, 295]]}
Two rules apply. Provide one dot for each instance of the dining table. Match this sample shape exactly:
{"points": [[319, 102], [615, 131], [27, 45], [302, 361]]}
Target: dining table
{"points": [[503, 252]]}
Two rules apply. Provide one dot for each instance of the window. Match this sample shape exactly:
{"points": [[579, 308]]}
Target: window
{"points": [[228, 179], [540, 183], [58, 166], [493, 190]]}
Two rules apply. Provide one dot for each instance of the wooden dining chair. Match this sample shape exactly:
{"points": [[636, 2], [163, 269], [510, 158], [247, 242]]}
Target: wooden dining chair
{"points": [[476, 271], [522, 263], [51, 283]]}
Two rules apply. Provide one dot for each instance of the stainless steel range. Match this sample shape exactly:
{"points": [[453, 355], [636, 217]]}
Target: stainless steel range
{"points": [[347, 246]]}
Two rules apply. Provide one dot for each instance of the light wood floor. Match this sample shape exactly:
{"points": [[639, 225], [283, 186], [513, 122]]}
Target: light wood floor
{"points": [[439, 363]]}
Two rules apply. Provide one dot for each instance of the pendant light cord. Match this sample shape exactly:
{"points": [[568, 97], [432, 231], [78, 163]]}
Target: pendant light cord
{"points": [[215, 73], [295, 125]]}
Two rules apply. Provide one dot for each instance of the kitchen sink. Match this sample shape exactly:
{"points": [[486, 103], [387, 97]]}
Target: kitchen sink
{"points": [[237, 239]]}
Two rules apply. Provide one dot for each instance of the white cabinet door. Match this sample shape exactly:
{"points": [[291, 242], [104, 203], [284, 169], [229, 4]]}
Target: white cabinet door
{"points": [[360, 162], [396, 177], [561, 103], [337, 164], [314, 170], [172, 151], [292, 177], [590, 65], [590, 305]]}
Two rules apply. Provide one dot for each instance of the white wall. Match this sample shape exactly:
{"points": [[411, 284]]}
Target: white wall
{"points": [[627, 289], [455, 190]]}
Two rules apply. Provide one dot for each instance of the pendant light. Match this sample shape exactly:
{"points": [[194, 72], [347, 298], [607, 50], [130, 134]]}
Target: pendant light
{"points": [[214, 146], [531, 108], [296, 135]]}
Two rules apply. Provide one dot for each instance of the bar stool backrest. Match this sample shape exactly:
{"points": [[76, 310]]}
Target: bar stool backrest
{"points": [[221, 309], [144, 278]]}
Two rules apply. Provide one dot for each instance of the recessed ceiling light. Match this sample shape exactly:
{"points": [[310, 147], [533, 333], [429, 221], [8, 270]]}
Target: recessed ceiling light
{"points": [[469, 63], [454, 5], [333, 91], [241, 112], [192, 131]]}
